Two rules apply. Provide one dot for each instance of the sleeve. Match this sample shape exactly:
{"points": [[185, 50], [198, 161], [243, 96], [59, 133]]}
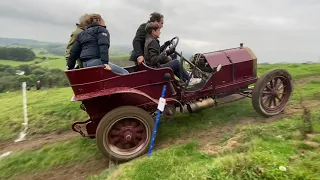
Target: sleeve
{"points": [[138, 40], [74, 54], [70, 43], [104, 44], [155, 56]]}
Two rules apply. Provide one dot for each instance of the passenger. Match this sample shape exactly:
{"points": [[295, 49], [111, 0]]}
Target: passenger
{"points": [[154, 57], [140, 37], [92, 46], [82, 25]]}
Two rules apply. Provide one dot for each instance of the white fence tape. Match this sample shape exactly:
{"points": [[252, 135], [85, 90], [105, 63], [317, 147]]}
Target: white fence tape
{"points": [[23, 133]]}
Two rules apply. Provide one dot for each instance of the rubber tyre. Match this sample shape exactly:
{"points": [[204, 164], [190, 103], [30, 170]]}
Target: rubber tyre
{"points": [[114, 115], [261, 84]]}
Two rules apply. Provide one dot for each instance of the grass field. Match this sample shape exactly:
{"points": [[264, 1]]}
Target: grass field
{"points": [[263, 148], [60, 62]]}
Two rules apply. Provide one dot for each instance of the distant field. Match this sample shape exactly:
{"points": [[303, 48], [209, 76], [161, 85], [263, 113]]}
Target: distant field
{"points": [[60, 63]]}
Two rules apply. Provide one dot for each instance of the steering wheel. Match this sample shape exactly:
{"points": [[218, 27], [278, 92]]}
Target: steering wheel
{"points": [[173, 44]]}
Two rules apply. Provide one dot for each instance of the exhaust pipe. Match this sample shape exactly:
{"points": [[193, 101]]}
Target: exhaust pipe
{"points": [[202, 104]]}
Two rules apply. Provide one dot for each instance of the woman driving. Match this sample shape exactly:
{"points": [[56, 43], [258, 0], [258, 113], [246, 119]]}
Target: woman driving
{"points": [[154, 57]]}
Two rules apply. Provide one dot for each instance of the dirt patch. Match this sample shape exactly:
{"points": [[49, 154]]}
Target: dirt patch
{"points": [[36, 142], [213, 149], [71, 172]]}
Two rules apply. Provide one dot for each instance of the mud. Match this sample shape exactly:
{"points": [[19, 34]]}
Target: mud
{"points": [[78, 171], [36, 142]]}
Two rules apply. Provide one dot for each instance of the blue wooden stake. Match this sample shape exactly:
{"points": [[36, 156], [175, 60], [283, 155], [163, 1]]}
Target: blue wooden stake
{"points": [[156, 123]]}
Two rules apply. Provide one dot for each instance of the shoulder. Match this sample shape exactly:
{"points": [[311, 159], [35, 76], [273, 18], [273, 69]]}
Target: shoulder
{"points": [[142, 27], [76, 32], [100, 30]]}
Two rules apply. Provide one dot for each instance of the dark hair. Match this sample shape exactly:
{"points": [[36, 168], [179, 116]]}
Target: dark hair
{"points": [[155, 17], [152, 26]]}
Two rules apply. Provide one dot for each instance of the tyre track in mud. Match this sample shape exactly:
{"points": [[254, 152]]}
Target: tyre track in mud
{"points": [[205, 138], [36, 142]]}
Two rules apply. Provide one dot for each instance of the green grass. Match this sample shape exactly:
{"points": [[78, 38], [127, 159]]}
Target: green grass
{"points": [[15, 63], [48, 110], [54, 155], [311, 90], [262, 150], [296, 70], [60, 62]]}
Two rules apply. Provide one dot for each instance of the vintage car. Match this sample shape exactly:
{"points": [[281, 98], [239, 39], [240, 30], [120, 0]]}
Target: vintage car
{"points": [[121, 108]]}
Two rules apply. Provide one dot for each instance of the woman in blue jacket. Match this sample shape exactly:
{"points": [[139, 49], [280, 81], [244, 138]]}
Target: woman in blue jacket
{"points": [[92, 46]]}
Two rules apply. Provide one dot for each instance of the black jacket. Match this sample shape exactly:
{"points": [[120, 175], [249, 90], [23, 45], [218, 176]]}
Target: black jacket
{"points": [[138, 42], [92, 43], [152, 52]]}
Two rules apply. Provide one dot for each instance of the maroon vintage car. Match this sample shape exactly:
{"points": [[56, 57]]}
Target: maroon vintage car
{"points": [[121, 108]]}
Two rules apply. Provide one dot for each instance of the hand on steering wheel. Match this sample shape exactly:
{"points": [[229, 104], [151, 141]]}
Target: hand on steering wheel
{"points": [[167, 43], [170, 51], [172, 45]]}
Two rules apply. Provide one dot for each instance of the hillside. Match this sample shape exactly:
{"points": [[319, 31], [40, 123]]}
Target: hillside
{"points": [[224, 142], [57, 49]]}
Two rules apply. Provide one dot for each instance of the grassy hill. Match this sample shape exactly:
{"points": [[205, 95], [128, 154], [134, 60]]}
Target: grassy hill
{"points": [[258, 150], [57, 48], [59, 62]]}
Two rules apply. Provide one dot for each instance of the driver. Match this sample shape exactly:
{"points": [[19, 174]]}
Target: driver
{"points": [[154, 57]]}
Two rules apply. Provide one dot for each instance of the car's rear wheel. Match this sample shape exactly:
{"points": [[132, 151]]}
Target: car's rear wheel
{"points": [[125, 133], [272, 92]]}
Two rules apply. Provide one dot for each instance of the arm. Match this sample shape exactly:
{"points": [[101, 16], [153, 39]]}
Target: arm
{"points": [[138, 40], [74, 55], [104, 44], [155, 55], [70, 43]]}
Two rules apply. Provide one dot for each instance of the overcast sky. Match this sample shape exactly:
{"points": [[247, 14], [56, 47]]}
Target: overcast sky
{"points": [[276, 30]]}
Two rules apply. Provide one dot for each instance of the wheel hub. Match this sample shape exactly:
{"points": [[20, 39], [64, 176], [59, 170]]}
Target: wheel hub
{"points": [[169, 112], [274, 93], [127, 136]]}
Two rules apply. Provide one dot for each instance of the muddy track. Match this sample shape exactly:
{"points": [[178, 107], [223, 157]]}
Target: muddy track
{"points": [[36, 142], [77, 171]]}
